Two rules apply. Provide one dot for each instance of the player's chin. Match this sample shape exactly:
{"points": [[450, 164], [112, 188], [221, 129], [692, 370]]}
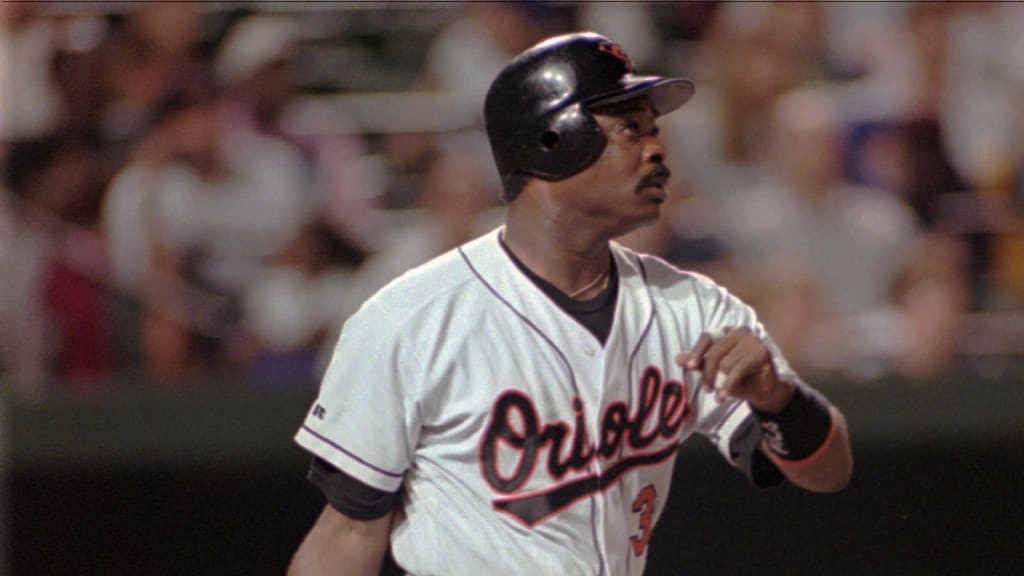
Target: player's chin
{"points": [[648, 204], [650, 201], [652, 194], [643, 216]]}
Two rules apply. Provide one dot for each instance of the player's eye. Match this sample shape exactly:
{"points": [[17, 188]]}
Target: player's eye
{"points": [[631, 128], [634, 131]]}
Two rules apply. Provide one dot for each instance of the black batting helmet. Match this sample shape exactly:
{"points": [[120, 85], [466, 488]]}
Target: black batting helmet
{"points": [[536, 109]]}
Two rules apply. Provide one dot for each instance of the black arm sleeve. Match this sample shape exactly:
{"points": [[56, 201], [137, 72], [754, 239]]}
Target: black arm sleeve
{"points": [[348, 495]]}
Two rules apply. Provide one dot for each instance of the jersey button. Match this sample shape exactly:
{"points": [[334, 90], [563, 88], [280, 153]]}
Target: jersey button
{"points": [[589, 351]]}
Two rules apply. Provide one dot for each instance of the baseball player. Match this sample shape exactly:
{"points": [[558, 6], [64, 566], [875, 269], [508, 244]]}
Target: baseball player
{"points": [[516, 405]]}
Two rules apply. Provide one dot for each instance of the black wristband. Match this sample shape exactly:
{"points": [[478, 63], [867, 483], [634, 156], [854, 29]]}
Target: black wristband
{"points": [[800, 429]]}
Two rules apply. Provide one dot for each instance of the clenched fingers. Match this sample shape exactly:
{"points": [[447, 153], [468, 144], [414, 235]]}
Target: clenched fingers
{"points": [[726, 358], [707, 354]]}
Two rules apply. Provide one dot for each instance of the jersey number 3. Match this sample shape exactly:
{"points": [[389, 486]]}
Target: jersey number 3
{"points": [[644, 504]]}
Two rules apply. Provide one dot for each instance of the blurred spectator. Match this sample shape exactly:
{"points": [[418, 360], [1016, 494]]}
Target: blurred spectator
{"points": [[149, 55], [799, 27], [920, 332], [29, 103], [1008, 263], [931, 298], [983, 119], [79, 73], [1008, 259], [407, 158], [193, 217], [297, 303], [685, 21], [946, 81], [742, 68], [865, 39], [453, 207], [238, 227], [808, 236], [257, 63], [22, 349], [56, 81], [464, 58], [979, 107], [55, 327], [629, 23]]}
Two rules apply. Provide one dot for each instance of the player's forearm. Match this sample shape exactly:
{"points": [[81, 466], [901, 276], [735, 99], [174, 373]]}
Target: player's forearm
{"points": [[339, 545], [827, 471]]}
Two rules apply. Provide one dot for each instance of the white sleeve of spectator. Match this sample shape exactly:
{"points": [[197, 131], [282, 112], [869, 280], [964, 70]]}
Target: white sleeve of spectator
{"points": [[364, 420]]}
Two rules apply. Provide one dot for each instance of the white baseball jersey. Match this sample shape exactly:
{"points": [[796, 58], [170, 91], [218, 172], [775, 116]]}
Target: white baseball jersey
{"points": [[521, 443]]}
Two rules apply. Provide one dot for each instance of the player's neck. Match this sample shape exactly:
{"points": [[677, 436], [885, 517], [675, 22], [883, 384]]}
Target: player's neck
{"points": [[568, 259]]}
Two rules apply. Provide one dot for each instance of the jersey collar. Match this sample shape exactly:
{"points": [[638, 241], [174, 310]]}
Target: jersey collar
{"points": [[494, 268]]}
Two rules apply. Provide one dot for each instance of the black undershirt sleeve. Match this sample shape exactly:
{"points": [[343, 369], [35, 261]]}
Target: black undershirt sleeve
{"points": [[349, 495]]}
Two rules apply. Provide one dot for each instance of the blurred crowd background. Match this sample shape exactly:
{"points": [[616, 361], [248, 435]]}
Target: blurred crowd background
{"points": [[199, 194]]}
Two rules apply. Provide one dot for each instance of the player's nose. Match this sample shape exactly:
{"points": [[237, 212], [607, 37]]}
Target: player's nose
{"points": [[654, 151]]}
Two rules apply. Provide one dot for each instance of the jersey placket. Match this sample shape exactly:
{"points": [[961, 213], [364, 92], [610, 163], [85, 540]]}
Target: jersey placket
{"points": [[615, 380], [593, 366]]}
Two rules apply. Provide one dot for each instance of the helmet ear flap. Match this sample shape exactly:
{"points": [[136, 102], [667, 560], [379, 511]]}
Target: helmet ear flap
{"points": [[549, 139], [570, 140]]}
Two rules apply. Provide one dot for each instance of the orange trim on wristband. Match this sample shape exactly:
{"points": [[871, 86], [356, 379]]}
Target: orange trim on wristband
{"points": [[813, 456]]}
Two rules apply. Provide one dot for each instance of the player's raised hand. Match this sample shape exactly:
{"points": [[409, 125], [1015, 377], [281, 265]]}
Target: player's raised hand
{"points": [[735, 362]]}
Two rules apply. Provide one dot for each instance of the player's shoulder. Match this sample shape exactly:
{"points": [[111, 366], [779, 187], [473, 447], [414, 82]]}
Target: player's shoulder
{"points": [[437, 285], [683, 291], [422, 287], [662, 275]]}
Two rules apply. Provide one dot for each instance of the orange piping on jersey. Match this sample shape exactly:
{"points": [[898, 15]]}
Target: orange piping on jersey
{"points": [[812, 457]]}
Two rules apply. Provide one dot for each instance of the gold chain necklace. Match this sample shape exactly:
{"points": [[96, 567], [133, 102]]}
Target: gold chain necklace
{"points": [[594, 282], [602, 276]]}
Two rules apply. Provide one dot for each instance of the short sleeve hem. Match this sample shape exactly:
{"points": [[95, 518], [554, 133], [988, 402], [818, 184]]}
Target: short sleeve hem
{"points": [[352, 464]]}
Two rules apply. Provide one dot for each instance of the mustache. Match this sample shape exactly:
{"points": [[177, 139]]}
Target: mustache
{"points": [[656, 177]]}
